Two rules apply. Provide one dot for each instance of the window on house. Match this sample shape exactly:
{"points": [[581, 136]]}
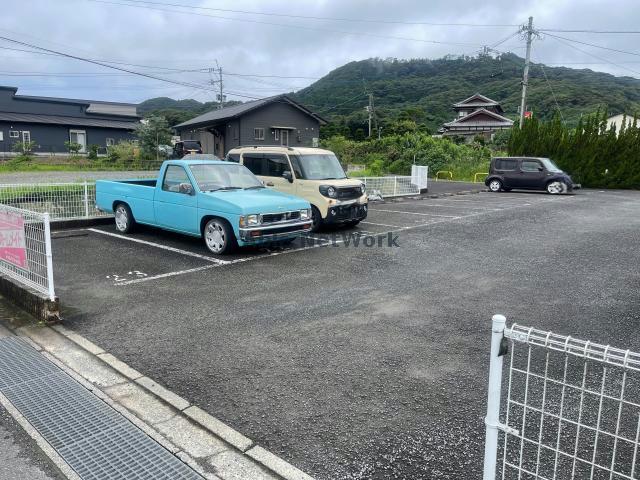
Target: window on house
{"points": [[14, 134], [462, 113], [111, 142], [258, 133], [1, 136]]}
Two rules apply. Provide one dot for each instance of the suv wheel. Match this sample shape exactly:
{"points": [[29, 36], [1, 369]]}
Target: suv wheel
{"points": [[495, 185], [556, 187], [316, 219]]}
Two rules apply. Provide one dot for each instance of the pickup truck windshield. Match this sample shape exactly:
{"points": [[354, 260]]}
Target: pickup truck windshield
{"points": [[212, 177], [317, 166]]}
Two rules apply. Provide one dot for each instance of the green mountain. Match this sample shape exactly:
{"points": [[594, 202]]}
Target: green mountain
{"points": [[177, 111], [424, 90]]}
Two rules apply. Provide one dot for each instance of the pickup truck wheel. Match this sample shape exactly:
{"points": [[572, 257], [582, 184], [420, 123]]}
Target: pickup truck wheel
{"points": [[219, 237], [316, 219], [124, 218]]}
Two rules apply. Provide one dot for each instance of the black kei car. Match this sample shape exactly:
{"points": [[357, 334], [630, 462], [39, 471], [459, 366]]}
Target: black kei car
{"points": [[185, 147], [528, 173]]}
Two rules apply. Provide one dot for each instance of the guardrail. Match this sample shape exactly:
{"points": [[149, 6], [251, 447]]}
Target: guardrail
{"points": [[449, 174], [475, 176], [25, 248], [572, 407]]}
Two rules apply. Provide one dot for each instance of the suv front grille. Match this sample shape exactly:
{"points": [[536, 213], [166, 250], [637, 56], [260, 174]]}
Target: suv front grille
{"points": [[280, 217], [348, 193]]}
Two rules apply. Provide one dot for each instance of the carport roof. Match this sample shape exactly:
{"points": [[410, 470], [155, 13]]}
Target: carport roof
{"points": [[227, 113], [63, 120]]}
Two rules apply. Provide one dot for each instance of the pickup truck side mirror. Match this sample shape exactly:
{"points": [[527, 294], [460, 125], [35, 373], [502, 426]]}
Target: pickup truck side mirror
{"points": [[541, 169], [186, 188], [287, 174]]}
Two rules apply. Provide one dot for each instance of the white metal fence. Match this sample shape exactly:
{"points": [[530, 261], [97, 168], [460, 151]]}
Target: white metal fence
{"points": [[571, 409], [398, 185], [62, 201], [25, 248]]}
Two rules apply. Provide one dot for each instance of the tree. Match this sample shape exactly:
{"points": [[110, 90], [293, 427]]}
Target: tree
{"points": [[153, 131]]}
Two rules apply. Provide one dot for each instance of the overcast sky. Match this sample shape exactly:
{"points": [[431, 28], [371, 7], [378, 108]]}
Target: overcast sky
{"points": [[163, 35]]}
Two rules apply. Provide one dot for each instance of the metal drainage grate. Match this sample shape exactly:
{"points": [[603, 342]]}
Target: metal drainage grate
{"points": [[93, 438]]}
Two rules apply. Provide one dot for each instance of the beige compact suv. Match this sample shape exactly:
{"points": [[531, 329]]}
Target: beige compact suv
{"points": [[311, 173]]}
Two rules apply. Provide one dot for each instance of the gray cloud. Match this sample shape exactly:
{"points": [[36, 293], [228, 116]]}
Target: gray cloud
{"points": [[271, 45]]}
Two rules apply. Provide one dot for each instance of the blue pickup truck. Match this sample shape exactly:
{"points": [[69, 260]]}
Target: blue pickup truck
{"points": [[222, 202]]}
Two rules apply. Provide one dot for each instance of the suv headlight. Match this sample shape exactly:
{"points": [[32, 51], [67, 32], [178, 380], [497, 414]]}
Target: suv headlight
{"points": [[363, 188], [328, 191], [250, 220], [305, 214]]}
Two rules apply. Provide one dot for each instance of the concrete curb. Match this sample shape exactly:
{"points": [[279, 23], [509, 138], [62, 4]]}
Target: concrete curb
{"points": [[155, 410]]}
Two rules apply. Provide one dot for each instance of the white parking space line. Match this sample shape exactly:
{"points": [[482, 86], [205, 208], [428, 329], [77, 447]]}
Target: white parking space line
{"points": [[317, 239], [416, 213], [164, 247], [381, 224], [169, 274]]}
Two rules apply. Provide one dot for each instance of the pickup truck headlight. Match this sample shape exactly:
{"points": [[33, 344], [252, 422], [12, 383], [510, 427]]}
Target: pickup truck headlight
{"points": [[328, 191], [250, 220], [305, 214]]}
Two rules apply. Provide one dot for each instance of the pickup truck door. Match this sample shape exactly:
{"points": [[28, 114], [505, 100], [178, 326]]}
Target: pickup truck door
{"points": [[175, 202]]}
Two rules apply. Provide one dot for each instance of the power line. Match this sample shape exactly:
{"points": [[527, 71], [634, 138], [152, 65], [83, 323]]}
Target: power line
{"points": [[590, 31], [557, 39], [269, 76], [552, 92], [308, 17], [95, 62], [593, 45], [299, 27]]}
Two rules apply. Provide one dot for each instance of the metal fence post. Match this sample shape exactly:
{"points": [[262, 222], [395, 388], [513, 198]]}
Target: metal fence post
{"points": [[86, 200], [49, 256], [492, 420]]}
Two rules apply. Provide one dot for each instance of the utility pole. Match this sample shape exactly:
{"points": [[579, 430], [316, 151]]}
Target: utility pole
{"points": [[221, 98], [370, 110], [525, 77]]}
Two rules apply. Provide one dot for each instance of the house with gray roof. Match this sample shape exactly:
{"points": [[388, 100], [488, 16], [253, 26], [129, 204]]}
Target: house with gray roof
{"points": [[50, 122], [476, 115], [277, 120]]}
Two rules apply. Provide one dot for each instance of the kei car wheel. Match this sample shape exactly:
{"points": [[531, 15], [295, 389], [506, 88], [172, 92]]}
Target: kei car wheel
{"points": [[218, 236], [556, 187], [316, 219], [124, 218], [495, 185]]}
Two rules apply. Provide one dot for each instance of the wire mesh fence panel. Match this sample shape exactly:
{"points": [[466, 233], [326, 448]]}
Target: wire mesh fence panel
{"points": [[571, 409], [420, 175], [62, 201], [391, 186], [25, 248]]}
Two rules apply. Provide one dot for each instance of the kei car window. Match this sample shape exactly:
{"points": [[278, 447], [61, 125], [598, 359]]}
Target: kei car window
{"points": [[173, 178], [233, 157], [254, 162], [506, 164], [530, 166], [276, 164]]}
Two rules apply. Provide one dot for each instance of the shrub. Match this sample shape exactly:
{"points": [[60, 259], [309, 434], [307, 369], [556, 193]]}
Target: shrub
{"points": [[93, 152]]}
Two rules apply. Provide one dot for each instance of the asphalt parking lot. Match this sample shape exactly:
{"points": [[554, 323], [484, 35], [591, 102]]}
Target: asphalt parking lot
{"points": [[359, 362]]}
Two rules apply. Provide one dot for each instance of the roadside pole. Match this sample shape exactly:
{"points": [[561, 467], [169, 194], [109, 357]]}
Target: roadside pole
{"points": [[525, 77]]}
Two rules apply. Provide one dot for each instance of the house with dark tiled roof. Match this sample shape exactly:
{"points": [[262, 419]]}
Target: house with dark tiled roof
{"points": [[476, 115], [49, 122], [276, 120]]}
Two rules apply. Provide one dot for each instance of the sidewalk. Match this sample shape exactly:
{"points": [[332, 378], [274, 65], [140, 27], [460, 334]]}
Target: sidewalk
{"points": [[97, 418]]}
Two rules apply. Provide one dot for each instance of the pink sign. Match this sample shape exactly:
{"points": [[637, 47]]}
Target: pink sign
{"points": [[13, 248]]}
